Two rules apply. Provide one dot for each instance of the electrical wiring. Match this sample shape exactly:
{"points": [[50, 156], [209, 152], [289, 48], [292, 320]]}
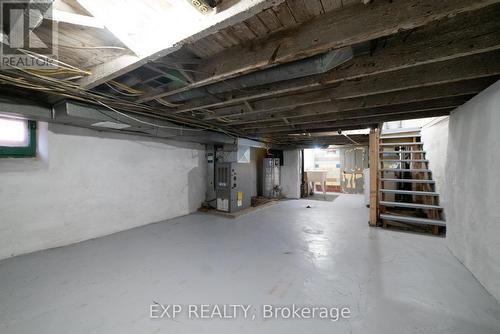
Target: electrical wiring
{"points": [[120, 92], [41, 82], [147, 123], [65, 66], [158, 125], [166, 103], [64, 87], [223, 119], [73, 78], [125, 87]]}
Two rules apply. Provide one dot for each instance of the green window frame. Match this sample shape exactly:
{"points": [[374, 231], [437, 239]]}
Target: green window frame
{"points": [[25, 151]]}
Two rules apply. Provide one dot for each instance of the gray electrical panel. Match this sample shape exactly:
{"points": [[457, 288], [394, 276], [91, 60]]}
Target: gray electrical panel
{"points": [[232, 185], [271, 178]]}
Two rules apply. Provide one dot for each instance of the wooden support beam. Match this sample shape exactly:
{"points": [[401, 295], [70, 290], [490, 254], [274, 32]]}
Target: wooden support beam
{"points": [[240, 11], [333, 140], [278, 103], [323, 138], [358, 123], [453, 71], [248, 106], [329, 115], [101, 72], [166, 74], [462, 88], [185, 74], [374, 175], [346, 27]]}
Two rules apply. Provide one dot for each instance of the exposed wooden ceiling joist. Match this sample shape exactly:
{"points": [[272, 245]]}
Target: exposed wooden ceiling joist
{"points": [[351, 123], [411, 59], [207, 26], [462, 88], [324, 33], [403, 108], [453, 71], [411, 95], [433, 44]]}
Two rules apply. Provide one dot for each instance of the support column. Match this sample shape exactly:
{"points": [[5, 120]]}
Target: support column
{"points": [[374, 176]]}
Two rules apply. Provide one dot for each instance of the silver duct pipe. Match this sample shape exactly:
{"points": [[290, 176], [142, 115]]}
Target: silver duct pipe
{"points": [[102, 119]]}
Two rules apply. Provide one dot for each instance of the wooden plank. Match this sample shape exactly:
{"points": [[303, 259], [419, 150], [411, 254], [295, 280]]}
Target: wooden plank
{"points": [[242, 31], [222, 40], [235, 14], [462, 69], [271, 108], [374, 177], [358, 123], [197, 50], [347, 3], [270, 20], [257, 26], [100, 73], [229, 35], [285, 15], [432, 46], [277, 104], [331, 116], [328, 114], [300, 10], [328, 32], [330, 5], [216, 43], [97, 10], [315, 7]]}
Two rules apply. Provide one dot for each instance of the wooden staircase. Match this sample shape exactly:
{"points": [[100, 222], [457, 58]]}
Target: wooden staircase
{"points": [[407, 195]]}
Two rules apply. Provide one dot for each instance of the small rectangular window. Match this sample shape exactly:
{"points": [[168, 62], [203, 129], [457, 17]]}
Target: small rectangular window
{"points": [[17, 138]]}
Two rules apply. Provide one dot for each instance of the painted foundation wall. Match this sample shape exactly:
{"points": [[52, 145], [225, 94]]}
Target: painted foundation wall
{"points": [[86, 184], [473, 187], [290, 174], [435, 139]]}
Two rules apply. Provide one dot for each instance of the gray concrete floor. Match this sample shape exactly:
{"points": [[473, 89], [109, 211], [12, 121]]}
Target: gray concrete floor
{"points": [[394, 282]]}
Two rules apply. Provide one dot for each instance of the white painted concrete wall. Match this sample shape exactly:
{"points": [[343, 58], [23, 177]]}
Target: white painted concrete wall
{"points": [[290, 174], [86, 184], [473, 187], [435, 139]]}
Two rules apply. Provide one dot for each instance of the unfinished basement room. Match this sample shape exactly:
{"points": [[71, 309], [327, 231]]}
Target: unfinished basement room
{"points": [[250, 166]]}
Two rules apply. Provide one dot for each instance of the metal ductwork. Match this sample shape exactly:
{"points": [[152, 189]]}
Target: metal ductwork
{"points": [[294, 70], [101, 119]]}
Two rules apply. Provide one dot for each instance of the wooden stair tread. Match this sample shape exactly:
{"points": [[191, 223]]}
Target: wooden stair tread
{"points": [[411, 205], [415, 220]]}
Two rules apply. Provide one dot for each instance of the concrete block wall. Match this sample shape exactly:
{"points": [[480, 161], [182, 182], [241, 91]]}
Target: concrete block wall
{"points": [[86, 184], [472, 187]]}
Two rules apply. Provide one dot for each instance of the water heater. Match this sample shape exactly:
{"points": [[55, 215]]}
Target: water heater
{"points": [[271, 178]]}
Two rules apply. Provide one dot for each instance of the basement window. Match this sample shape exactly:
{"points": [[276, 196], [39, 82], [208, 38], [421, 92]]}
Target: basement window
{"points": [[17, 138]]}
